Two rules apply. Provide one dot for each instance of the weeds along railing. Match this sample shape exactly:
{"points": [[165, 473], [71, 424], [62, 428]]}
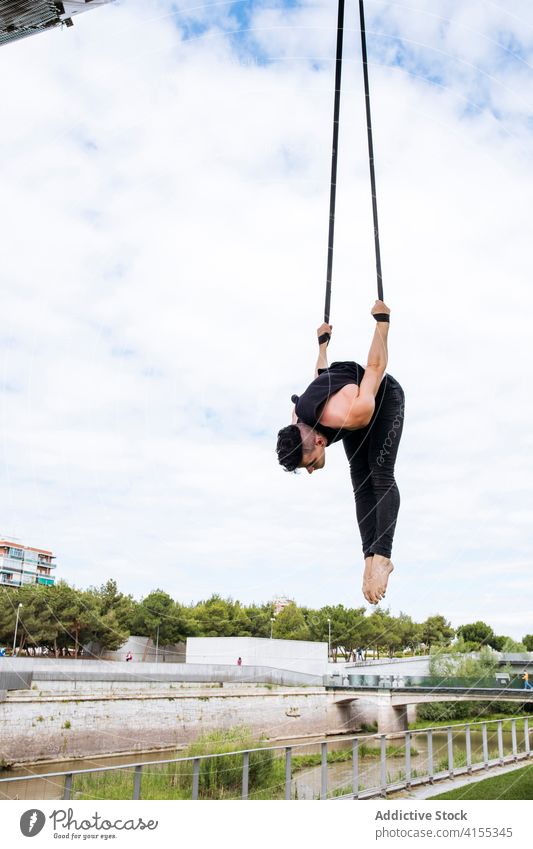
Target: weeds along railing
{"points": [[268, 772]]}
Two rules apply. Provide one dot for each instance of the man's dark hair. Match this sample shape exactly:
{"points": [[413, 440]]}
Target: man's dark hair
{"points": [[290, 447]]}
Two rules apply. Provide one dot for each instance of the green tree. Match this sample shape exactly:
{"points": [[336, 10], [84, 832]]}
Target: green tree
{"points": [[259, 617], [528, 642], [382, 632], [498, 641], [110, 598], [222, 617], [510, 645], [453, 663], [290, 624], [410, 632], [38, 625], [9, 601], [476, 634], [347, 628], [76, 614], [159, 617], [436, 630]]}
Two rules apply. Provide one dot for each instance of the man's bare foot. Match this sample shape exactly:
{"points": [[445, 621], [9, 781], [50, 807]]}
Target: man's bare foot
{"points": [[366, 575], [375, 578]]}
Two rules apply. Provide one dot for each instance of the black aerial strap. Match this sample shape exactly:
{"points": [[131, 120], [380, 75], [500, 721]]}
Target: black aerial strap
{"points": [[333, 185], [371, 151]]}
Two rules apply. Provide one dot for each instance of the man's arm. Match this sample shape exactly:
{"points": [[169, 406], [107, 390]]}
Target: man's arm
{"points": [[322, 361], [354, 410], [378, 356]]}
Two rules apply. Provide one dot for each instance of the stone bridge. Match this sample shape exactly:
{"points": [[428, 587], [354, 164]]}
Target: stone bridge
{"points": [[392, 704]]}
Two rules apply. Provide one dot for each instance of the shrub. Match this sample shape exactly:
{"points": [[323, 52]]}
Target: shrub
{"points": [[221, 777]]}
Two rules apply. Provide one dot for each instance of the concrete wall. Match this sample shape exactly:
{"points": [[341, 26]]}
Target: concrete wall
{"points": [[59, 727], [11, 680], [46, 669], [298, 655], [142, 648], [389, 666]]}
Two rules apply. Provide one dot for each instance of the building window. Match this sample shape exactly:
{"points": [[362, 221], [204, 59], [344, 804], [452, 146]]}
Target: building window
{"points": [[30, 556], [16, 552]]}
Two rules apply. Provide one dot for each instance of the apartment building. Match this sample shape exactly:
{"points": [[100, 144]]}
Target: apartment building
{"points": [[23, 564], [281, 603]]}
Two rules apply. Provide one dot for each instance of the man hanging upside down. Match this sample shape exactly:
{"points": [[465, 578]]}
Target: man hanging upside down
{"points": [[365, 408]]}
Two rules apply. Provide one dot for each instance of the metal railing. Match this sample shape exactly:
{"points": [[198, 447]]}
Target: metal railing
{"points": [[451, 763], [498, 683]]}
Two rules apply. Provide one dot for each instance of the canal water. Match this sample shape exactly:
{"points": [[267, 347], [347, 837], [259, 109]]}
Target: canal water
{"points": [[306, 782]]}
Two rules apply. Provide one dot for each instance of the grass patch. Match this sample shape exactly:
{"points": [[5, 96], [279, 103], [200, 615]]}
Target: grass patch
{"points": [[513, 785], [459, 760], [392, 751], [219, 778], [343, 755]]}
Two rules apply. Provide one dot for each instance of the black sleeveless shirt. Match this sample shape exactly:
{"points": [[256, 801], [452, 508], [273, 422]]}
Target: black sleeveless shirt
{"points": [[329, 381]]}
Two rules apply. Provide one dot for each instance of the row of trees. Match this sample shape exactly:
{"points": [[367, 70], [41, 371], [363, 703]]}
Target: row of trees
{"points": [[61, 618]]}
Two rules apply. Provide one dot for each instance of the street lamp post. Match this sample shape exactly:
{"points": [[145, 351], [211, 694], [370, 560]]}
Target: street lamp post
{"points": [[329, 638], [16, 628], [271, 626]]}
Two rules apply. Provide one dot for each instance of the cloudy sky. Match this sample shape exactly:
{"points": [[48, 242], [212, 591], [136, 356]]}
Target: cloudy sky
{"points": [[164, 209]]}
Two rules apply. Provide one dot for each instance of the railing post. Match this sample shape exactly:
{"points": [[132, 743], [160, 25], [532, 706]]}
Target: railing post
{"points": [[513, 739], [430, 756], [500, 740], [407, 758], [468, 742], [526, 736], [450, 751], [324, 772], [67, 790], [383, 765], [137, 782], [245, 774], [195, 777], [485, 745], [355, 769], [288, 772]]}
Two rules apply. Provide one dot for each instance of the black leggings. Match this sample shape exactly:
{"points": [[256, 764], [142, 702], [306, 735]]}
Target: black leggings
{"points": [[371, 452]]}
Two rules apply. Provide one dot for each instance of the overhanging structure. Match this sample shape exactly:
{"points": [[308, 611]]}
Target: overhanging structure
{"points": [[20, 18]]}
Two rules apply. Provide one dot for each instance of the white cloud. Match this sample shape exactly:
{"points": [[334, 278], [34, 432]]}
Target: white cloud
{"points": [[164, 215]]}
